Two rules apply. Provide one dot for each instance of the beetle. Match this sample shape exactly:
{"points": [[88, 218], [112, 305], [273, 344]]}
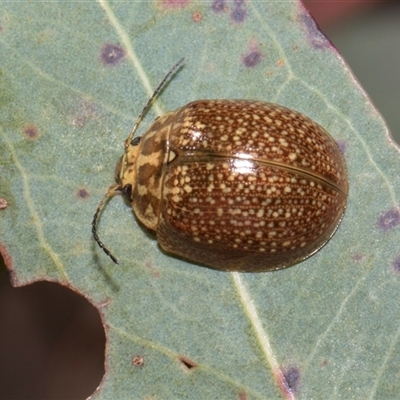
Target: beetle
{"points": [[235, 185]]}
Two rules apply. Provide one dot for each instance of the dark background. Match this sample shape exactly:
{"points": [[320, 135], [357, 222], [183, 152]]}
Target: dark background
{"points": [[52, 340]]}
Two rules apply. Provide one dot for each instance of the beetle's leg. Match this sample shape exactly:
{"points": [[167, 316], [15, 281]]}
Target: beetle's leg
{"points": [[112, 191]]}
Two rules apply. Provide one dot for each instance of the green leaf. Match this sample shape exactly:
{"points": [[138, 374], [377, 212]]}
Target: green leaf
{"points": [[74, 77]]}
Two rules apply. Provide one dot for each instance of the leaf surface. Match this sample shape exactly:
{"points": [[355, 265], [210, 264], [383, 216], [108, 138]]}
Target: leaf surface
{"points": [[74, 77]]}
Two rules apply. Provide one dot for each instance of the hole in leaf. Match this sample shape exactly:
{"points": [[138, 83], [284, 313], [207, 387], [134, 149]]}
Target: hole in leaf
{"points": [[52, 342]]}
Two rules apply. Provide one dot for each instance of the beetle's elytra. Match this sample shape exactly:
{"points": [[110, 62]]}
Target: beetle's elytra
{"points": [[235, 185]]}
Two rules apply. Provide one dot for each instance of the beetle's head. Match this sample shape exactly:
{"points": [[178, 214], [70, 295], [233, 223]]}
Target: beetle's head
{"points": [[125, 170]]}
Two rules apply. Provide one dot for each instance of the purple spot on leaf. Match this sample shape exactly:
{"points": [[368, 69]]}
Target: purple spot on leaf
{"points": [[238, 14], [389, 219], [83, 193], [357, 257], [86, 113], [112, 54], [292, 376], [315, 36], [252, 59], [396, 264], [342, 146], [218, 6]]}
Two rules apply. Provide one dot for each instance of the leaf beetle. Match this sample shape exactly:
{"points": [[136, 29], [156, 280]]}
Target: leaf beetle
{"points": [[235, 185]]}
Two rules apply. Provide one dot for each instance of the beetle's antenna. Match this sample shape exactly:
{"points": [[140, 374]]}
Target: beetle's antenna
{"points": [[150, 101], [112, 191]]}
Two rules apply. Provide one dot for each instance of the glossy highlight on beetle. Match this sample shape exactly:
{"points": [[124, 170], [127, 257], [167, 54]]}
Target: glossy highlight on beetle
{"points": [[236, 185]]}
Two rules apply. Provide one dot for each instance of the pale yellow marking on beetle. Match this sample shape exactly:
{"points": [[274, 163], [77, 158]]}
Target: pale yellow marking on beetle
{"points": [[152, 159], [175, 190], [171, 156], [142, 190], [260, 213], [150, 212]]}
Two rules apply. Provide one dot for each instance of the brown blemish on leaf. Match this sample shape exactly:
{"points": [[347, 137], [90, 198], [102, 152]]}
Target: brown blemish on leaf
{"points": [[138, 361], [149, 265], [112, 54], [279, 63], [31, 132], [196, 17], [3, 203], [242, 396], [187, 363]]}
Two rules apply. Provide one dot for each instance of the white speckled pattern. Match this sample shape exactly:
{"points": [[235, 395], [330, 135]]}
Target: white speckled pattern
{"points": [[238, 185]]}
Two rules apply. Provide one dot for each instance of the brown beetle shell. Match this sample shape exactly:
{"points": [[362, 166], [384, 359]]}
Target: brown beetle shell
{"points": [[237, 185]]}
